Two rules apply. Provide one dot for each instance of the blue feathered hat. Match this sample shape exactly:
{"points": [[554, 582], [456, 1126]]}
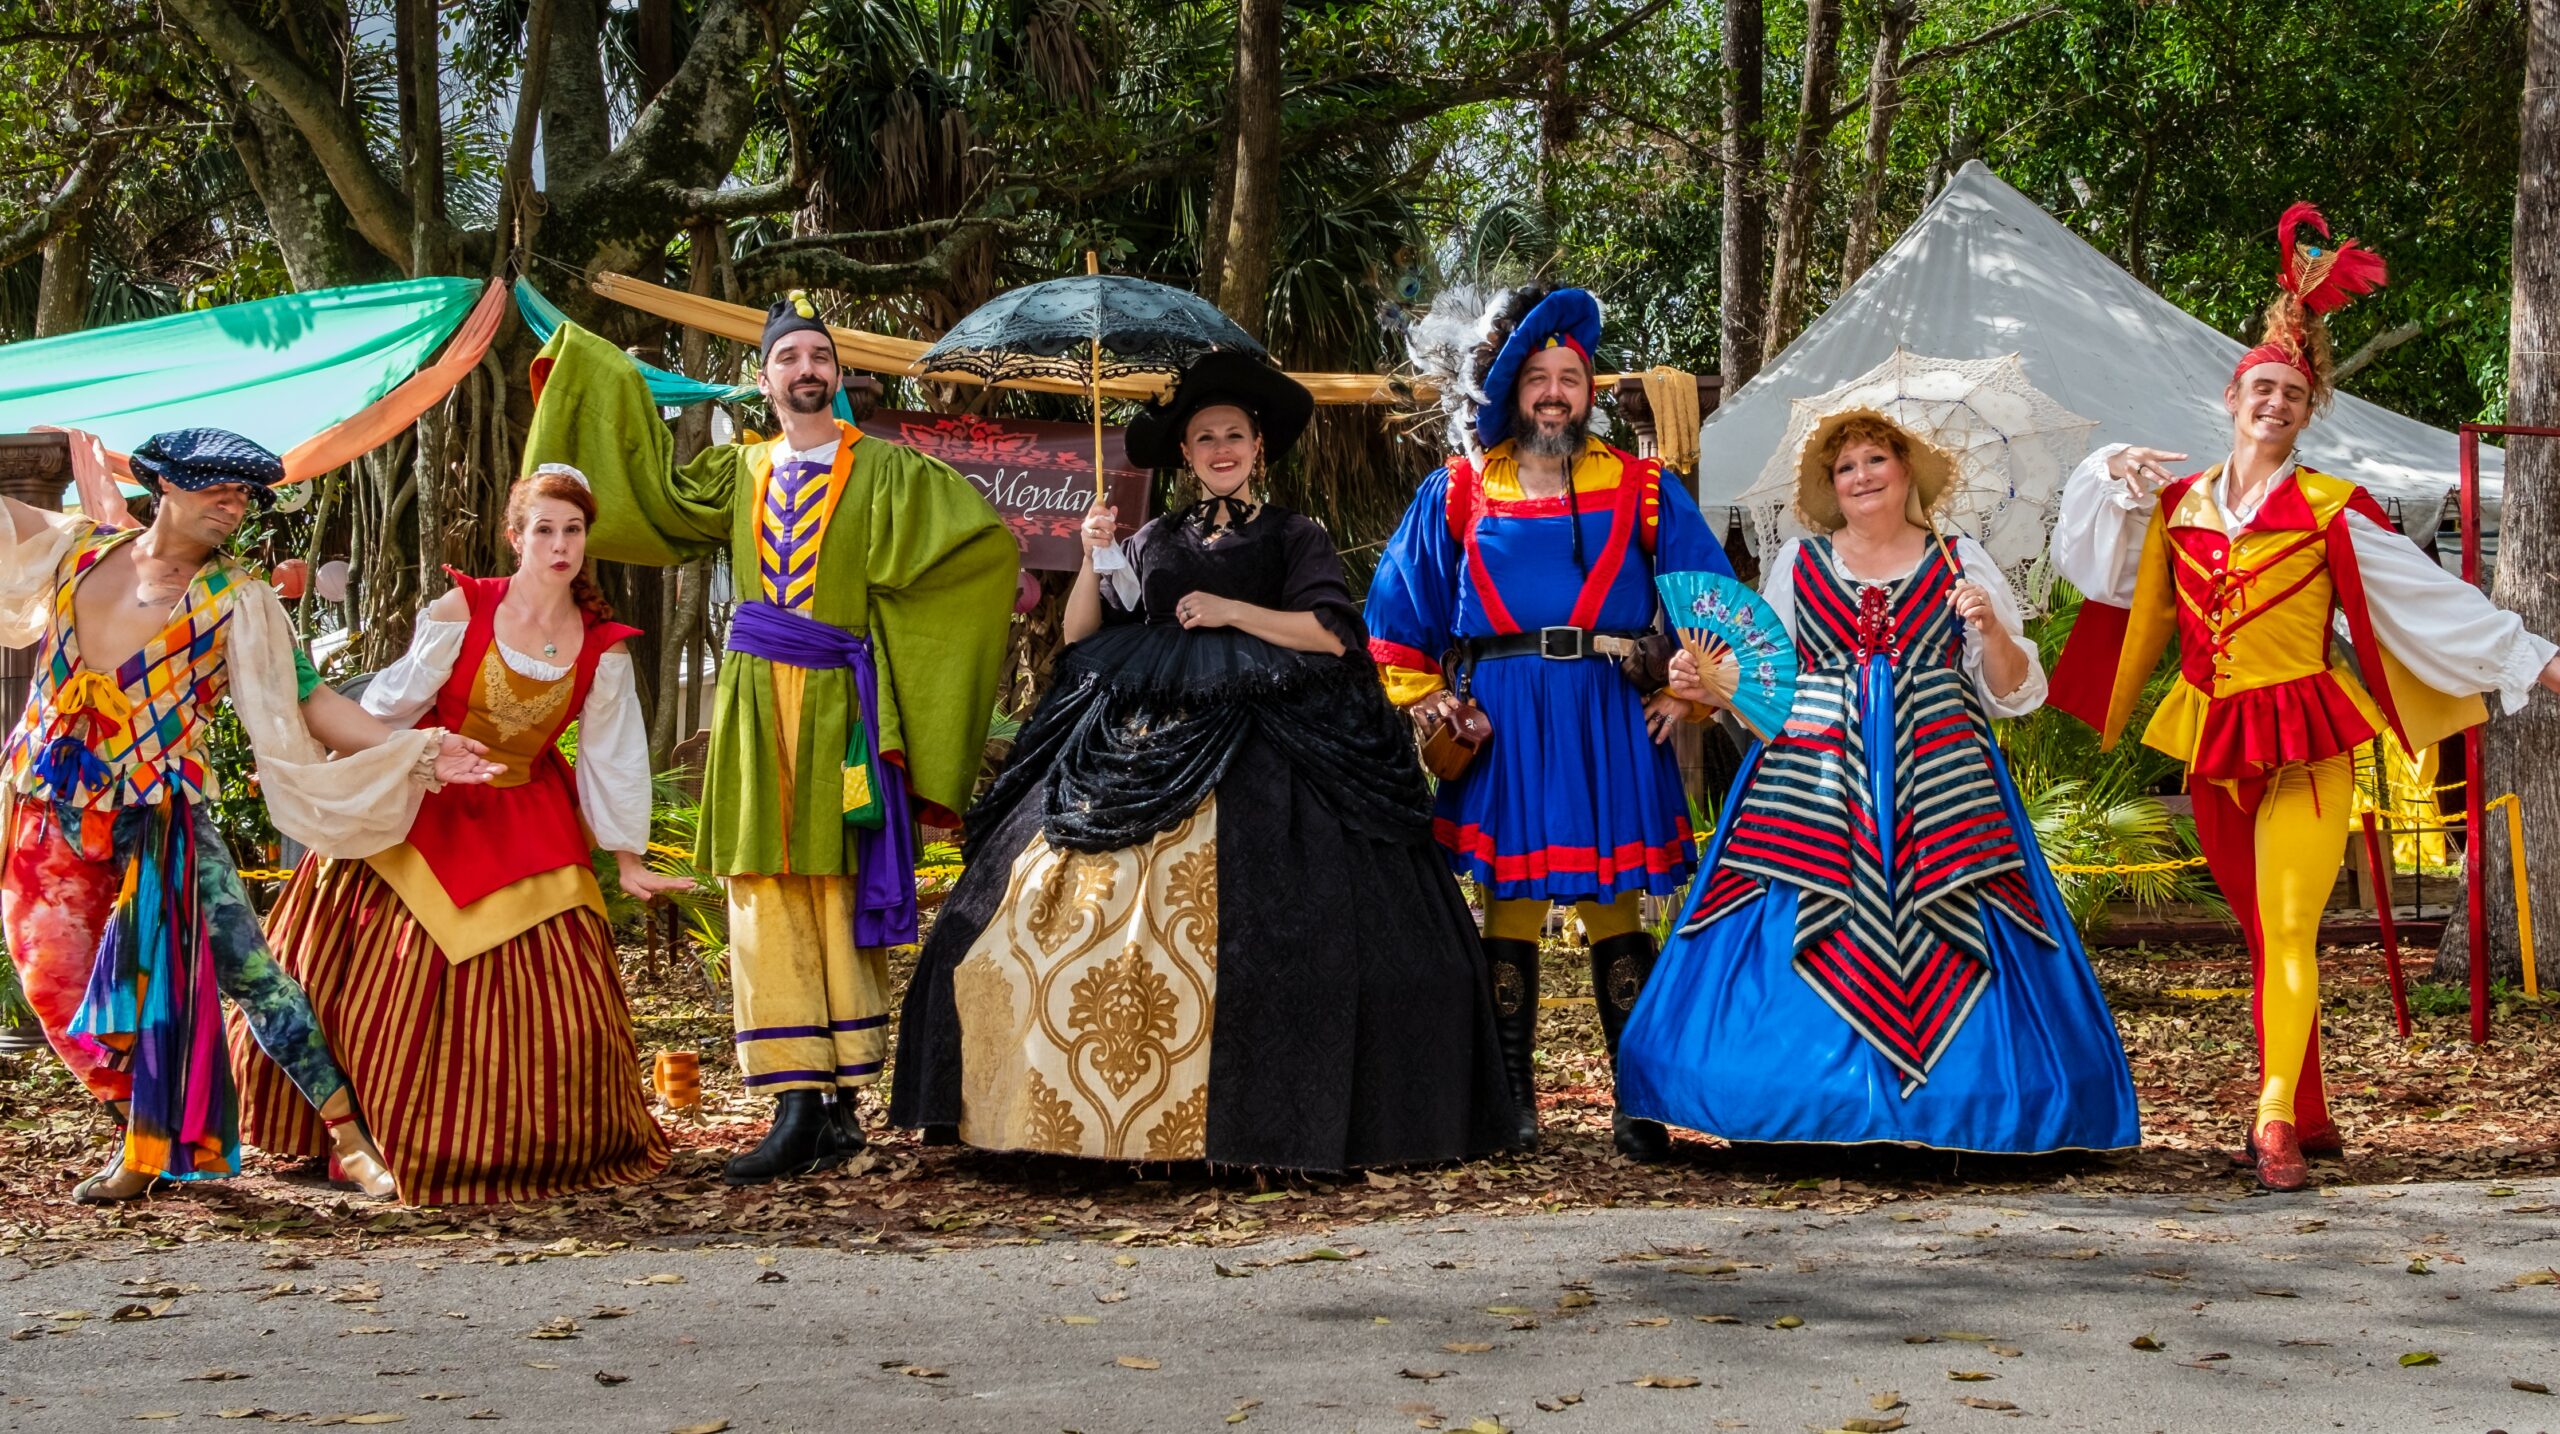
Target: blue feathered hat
{"points": [[1565, 318]]}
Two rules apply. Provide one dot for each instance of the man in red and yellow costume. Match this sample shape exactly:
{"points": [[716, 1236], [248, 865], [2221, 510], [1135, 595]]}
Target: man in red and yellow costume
{"points": [[2246, 566]]}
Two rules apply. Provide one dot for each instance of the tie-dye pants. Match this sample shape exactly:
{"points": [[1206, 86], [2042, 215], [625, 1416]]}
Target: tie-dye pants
{"points": [[123, 925]]}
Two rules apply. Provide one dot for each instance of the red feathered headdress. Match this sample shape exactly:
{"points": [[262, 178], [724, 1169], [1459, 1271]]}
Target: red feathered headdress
{"points": [[2315, 281]]}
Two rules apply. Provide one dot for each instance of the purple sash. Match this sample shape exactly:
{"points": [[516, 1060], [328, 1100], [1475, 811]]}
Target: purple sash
{"points": [[884, 860]]}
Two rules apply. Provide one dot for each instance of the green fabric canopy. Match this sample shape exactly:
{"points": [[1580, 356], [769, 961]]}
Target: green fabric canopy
{"points": [[276, 370]]}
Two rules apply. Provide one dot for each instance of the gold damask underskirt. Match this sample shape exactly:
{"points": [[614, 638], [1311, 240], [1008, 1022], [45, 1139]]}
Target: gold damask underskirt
{"points": [[1085, 1005]]}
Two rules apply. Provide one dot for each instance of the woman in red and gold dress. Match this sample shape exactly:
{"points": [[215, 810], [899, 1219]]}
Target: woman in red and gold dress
{"points": [[467, 976]]}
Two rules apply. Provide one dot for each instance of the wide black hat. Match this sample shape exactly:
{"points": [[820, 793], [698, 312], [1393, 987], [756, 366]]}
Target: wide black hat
{"points": [[200, 458], [1280, 406]]}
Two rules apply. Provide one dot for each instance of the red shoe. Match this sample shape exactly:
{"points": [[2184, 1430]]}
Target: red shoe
{"points": [[2279, 1154]]}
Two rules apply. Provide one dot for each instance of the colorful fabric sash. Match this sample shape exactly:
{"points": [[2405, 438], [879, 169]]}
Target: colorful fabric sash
{"points": [[875, 795], [153, 998]]}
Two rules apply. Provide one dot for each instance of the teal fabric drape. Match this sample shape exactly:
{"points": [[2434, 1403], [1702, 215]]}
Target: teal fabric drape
{"points": [[277, 370], [667, 390]]}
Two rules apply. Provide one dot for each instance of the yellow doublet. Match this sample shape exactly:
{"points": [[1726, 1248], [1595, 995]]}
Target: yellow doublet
{"points": [[2264, 614]]}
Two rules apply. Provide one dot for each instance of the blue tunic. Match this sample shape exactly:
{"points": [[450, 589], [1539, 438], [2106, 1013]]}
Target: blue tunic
{"points": [[1572, 800]]}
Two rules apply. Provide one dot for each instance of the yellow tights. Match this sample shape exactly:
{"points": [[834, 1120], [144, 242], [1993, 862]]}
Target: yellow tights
{"points": [[2300, 838], [1524, 918]]}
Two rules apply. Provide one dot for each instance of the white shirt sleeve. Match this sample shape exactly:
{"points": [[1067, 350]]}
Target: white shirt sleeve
{"points": [[27, 573], [405, 692], [2097, 534], [613, 759], [1986, 574], [1778, 584], [349, 806], [2444, 630]]}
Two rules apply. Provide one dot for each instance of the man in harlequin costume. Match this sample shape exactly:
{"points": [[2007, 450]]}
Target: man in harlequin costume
{"points": [[1520, 579], [2245, 567], [861, 673], [123, 906]]}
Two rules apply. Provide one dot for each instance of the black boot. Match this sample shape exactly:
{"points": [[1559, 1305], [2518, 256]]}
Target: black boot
{"points": [[1515, 1026], [1619, 968], [801, 1142], [844, 1125]]}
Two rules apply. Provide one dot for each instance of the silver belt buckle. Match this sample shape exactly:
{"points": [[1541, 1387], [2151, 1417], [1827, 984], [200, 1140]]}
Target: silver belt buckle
{"points": [[1563, 644]]}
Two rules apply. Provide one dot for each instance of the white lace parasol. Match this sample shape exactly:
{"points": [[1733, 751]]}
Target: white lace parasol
{"points": [[2013, 445]]}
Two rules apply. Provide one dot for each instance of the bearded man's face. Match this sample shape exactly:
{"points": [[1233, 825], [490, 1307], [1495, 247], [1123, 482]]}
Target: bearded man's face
{"points": [[1551, 406]]}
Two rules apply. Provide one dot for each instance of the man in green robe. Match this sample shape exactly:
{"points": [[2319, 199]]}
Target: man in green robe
{"points": [[875, 594]]}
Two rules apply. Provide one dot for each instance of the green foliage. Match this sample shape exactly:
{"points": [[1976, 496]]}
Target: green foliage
{"points": [[14, 1010], [675, 820], [2100, 808]]}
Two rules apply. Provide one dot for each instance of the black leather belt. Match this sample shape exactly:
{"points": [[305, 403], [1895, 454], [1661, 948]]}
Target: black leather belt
{"points": [[1556, 644]]}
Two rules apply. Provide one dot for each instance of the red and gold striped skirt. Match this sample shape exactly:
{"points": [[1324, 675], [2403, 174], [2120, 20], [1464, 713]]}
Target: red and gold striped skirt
{"points": [[509, 1076]]}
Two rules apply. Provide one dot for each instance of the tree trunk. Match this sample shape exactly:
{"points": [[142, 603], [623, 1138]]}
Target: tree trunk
{"points": [[1884, 106], [1804, 171], [62, 294], [2137, 218], [319, 242], [1559, 121], [1222, 208], [1745, 225], [1254, 214], [2519, 747]]}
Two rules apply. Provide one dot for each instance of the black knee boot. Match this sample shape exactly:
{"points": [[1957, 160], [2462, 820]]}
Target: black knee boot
{"points": [[1515, 1026], [1619, 966], [802, 1141]]}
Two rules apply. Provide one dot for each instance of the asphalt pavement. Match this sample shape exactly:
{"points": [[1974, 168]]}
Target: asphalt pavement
{"points": [[2395, 1309]]}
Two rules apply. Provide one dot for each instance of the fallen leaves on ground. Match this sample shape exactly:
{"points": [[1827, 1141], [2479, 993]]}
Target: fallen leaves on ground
{"points": [[2431, 1107]]}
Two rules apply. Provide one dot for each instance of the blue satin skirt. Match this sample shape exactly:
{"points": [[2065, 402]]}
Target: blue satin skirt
{"points": [[1728, 1039]]}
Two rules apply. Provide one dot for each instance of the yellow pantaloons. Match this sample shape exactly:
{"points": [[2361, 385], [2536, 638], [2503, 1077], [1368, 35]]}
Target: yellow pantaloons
{"points": [[1525, 918], [2276, 866], [812, 1008]]}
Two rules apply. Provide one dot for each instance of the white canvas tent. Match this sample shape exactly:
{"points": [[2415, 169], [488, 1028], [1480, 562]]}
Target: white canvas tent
{"points": [[1986, 271]]}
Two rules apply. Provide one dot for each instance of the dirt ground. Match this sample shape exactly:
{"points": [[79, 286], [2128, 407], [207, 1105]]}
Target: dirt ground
{"points": [[2429, 1107]]}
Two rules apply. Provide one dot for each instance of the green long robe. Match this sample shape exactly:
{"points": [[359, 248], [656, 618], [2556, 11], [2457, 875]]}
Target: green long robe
{"points": [[913, 557]]}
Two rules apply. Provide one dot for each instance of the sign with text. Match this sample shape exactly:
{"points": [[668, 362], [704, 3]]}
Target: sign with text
{"points": [[1039, 475]]}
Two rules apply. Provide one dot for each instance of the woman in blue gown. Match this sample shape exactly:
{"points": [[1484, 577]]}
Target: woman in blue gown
{"points": [[1877, 951]]}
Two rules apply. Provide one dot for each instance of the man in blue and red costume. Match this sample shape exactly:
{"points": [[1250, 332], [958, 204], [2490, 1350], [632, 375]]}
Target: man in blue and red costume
{"points": [[1520, 579]]}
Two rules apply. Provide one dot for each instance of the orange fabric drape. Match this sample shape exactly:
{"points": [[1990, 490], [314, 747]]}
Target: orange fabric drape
{"points": [[373, 425], [882, 353]]}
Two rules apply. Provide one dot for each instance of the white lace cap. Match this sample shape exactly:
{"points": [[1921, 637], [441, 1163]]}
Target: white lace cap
{"points": [[565, 471]]}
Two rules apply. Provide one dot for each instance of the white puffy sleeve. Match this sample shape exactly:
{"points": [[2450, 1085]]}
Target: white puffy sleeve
{"points": [[406, 690], [350, 806], [2097, 534], [1778, 584], [613, 759], [2444, 630], [1983, 572], [28, 569]]}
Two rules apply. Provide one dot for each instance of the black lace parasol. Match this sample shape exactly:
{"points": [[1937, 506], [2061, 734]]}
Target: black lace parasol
{"points": [[1049, 331]]}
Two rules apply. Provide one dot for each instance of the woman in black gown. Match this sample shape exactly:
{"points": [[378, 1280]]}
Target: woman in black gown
{"points": [[1202, 915]]}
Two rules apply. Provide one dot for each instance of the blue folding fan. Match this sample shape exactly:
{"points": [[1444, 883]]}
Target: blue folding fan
{"points": [[1745, 657]]}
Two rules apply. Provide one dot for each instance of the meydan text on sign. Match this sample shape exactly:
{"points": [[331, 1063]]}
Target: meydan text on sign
{"points": [[1039, 475]]}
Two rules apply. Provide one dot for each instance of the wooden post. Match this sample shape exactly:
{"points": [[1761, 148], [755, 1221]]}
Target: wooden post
{"points": [[2382, 911]]}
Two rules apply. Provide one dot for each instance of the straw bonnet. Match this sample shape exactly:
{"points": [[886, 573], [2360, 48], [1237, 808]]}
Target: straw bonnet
{"points": [[1932, 471]]}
